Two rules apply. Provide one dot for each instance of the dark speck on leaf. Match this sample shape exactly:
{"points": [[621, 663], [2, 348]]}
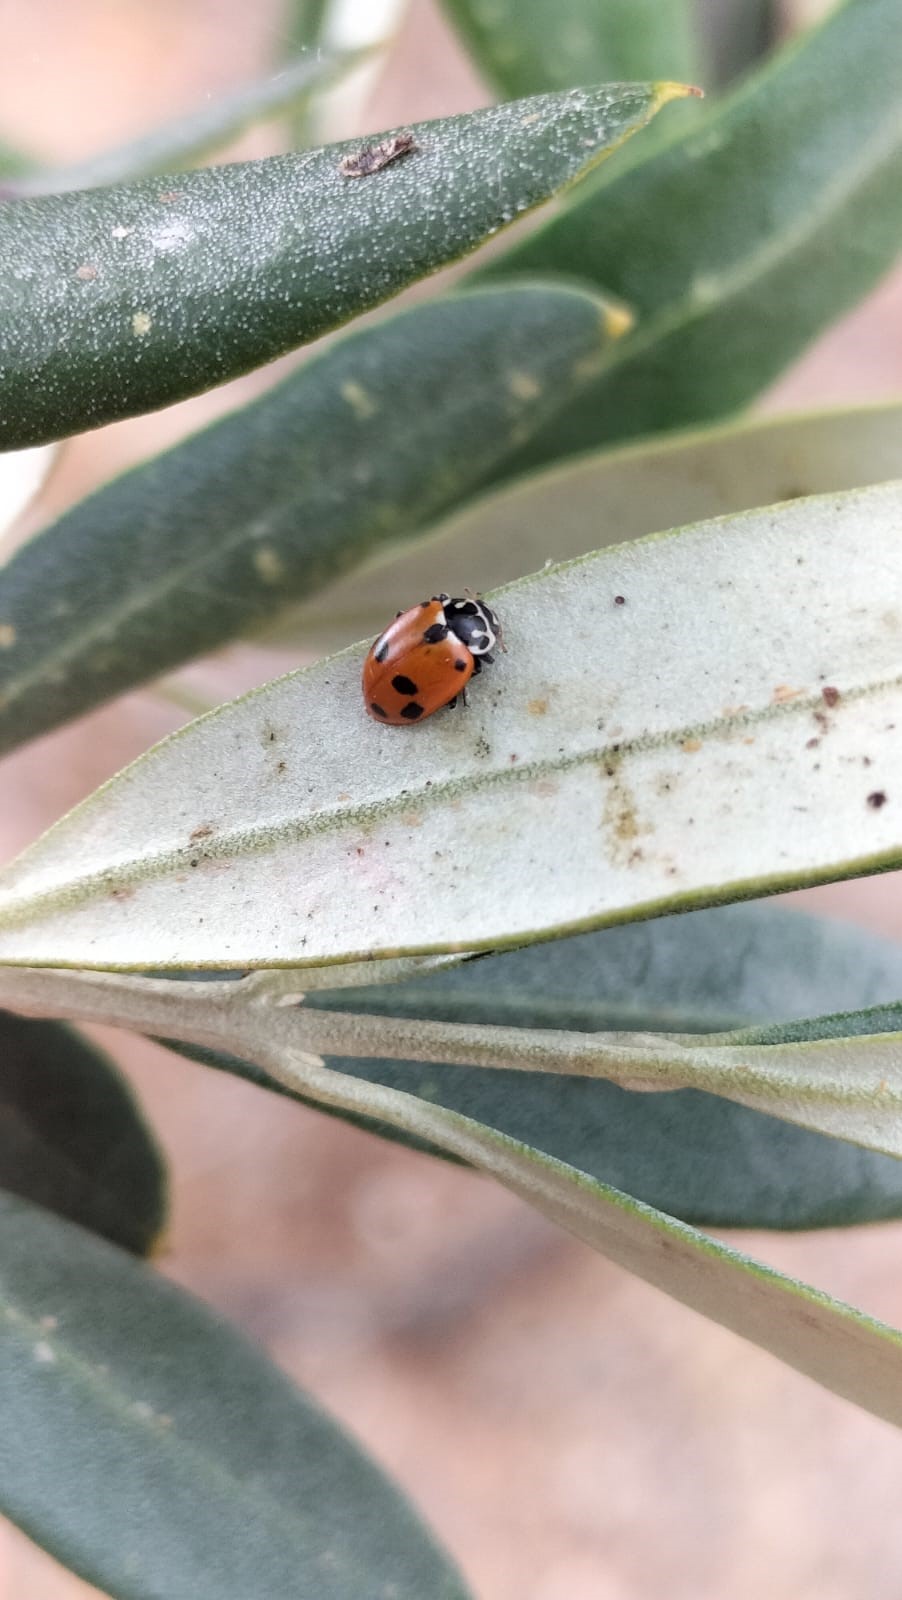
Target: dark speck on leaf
{"points": [[620, 599], [830, 695], [877, 799]]}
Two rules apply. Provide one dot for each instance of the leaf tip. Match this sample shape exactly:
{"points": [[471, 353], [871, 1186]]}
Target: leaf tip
{"points": [[676, 91], [616, 320]]}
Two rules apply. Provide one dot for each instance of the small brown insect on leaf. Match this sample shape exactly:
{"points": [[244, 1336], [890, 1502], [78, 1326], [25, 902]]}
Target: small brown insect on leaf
{"points": [[372, 158]]}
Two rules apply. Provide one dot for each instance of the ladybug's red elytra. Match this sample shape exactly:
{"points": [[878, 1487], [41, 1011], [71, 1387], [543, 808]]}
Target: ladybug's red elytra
{"points": [[426, 657]]}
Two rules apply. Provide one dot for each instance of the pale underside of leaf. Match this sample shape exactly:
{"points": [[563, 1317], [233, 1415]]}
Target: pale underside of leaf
{"points": [[850, 1353], [729, 729], [839, 1347], [604, 498]]}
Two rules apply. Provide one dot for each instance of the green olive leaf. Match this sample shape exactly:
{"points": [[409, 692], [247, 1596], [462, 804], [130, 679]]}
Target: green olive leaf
{"points": [[529, 46], [739, 240], [153, 1451], [128, 298], [72, 1137]]}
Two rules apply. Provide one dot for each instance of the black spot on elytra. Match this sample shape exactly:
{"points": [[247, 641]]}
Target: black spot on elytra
{"points": [[460, 666], [404, 685], [436, 633], [377, 709], [381, 650], [412, 711]]}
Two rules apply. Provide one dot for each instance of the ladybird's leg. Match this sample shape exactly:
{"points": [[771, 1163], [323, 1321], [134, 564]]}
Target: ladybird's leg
{"points": [[477, 665], [453, 703], [488, 659]]}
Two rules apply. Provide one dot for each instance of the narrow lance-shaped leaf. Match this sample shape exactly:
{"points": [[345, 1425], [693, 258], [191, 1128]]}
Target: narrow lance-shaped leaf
{"points": [[604, 498], [187, 139], [528, 46], [151, 1450], [743, 238], [839, 1075], [850, 1353], [128, 298], [732, 729], [210, 539], [692, 1154], [72, 1137]]}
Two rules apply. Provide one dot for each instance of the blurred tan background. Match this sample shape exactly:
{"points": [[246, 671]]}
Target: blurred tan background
{"points": [[569, 1433]]}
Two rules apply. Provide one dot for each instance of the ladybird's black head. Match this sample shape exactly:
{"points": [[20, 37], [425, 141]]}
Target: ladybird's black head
{"points": [[475, 625]]}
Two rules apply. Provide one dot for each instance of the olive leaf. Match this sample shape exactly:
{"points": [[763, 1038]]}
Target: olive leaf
{"points": [[154, 1452], [131, 297], [667, 711], [604, 497], [528, 46], [72, 1137], [695, 1155], [368, 439], [740, 239]]}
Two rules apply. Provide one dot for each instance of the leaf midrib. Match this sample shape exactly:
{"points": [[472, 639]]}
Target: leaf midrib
{"points": [[735, 280], [246, 842]]}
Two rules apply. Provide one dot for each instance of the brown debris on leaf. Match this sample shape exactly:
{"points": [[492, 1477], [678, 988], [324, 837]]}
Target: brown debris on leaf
{"points": [[373, 157]]}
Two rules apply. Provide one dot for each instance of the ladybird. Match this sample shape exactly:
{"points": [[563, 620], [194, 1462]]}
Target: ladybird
{"points": [[426, 657]]}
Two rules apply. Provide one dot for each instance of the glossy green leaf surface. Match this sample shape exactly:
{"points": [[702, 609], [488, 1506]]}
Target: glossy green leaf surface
{"points": [[188, 139], [211, 538], [750, 692], [739, 241], [603, 498], [529, 46], [696, 1156], [154, 1452], [72, 1137], [128, 298]]}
